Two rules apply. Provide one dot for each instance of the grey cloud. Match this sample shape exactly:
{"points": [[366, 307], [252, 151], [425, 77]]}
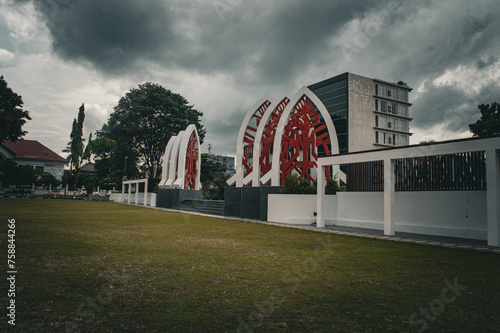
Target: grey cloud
{"points": [[277, 38], [450, 105], [111, 34]]}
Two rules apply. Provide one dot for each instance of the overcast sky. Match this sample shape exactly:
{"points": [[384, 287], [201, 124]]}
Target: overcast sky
{"points": [[224, 55]]}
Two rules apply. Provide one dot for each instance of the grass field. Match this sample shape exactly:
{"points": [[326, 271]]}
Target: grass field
{"points": [[106, 267]]}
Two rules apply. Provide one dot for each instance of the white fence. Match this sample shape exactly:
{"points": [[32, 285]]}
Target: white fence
{"points": [[441, 213], [469, 214], [132, 198]]}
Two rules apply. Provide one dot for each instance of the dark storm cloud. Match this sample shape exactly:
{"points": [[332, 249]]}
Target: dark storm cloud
{"points": [[113, 34], [276, 38]]}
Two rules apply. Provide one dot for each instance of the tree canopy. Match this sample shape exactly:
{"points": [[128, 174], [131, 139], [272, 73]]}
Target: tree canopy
{"points": [[145, 119], [12, 116], [489, 123]]}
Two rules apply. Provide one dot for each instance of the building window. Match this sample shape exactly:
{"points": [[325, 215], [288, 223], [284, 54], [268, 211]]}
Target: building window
{"points": [[395, 139], [383, 122], [403, 110], [382, 91], [394, 108], [395, 124], [376, 136], [403, 96], [383, 138], [376, 121], [383, 106], [404, 125], [376, 105]]}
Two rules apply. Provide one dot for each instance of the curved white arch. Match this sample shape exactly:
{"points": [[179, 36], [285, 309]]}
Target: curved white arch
{"points": [[274, 173], [166, 161], [238, 176], [181, 167], [254, 176], [172, 172]]}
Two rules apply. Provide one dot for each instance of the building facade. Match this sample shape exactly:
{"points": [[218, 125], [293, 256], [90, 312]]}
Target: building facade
{"points": [[227, 161], [36, 155], [367, 113]]}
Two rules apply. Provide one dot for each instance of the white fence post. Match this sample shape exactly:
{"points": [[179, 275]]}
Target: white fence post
{"points": [[389, 197], [492, 196]]}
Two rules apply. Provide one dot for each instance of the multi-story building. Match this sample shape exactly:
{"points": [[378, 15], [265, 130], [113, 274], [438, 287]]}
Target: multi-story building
{"points": [[227, 161], [367, 113]]}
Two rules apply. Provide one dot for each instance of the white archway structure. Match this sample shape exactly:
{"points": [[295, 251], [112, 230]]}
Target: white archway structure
{"points": [[174, 160], [166, 161], [297, 101], [266, 131], [182, 161], [247, 135], [188, 169]]}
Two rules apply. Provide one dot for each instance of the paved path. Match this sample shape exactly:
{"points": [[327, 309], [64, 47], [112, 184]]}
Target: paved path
{"points": [[456, 243]]}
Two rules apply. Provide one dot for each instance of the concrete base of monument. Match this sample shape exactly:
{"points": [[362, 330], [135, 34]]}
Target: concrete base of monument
{"points": [[248, 202], [173, 197]]}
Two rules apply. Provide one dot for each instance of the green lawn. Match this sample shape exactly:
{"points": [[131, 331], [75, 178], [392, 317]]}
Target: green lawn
{"points": [[106, 267]]}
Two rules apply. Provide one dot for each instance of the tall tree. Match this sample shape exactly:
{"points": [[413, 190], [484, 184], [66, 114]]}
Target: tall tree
{"points": [[489, 123], [12, 116], [145, 119], [75, 145]]}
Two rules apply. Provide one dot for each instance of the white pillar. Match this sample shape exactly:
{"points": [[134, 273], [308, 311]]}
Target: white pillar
{"points": [[123, 192], [492, 196], [129, 192], [146, 192], [136, 200], [389, 197], [320, 197]]}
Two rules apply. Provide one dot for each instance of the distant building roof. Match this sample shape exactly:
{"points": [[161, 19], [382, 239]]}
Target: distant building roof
{"points": [[32, 150], [89, 167]]}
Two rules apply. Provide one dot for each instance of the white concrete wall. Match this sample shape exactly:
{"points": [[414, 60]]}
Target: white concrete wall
{"points": [[441, 213], [296, 208], [117, 197], [447, 213], [360, 210]]}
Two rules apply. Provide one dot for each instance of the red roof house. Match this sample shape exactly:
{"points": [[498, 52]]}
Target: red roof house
{"points": [[35, 154]]}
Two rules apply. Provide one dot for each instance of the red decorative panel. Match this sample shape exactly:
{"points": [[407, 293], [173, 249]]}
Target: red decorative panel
{"points": [[249, 138], [265, 159], [191, 163], [302, 136]]}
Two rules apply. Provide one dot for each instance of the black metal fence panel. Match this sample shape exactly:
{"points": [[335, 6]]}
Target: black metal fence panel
{"points": [[452, 172], [364, 177]]}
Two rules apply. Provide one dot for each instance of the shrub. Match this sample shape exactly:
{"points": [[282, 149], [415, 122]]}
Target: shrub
{"points": [[294, 185]]}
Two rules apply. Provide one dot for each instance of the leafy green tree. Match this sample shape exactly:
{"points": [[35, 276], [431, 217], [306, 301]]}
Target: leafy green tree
{"points": [[75, 146], [213, 177], [46, 179], [12, 174], [12, 116], [489, 123], [113, 162], [145, 119]]}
